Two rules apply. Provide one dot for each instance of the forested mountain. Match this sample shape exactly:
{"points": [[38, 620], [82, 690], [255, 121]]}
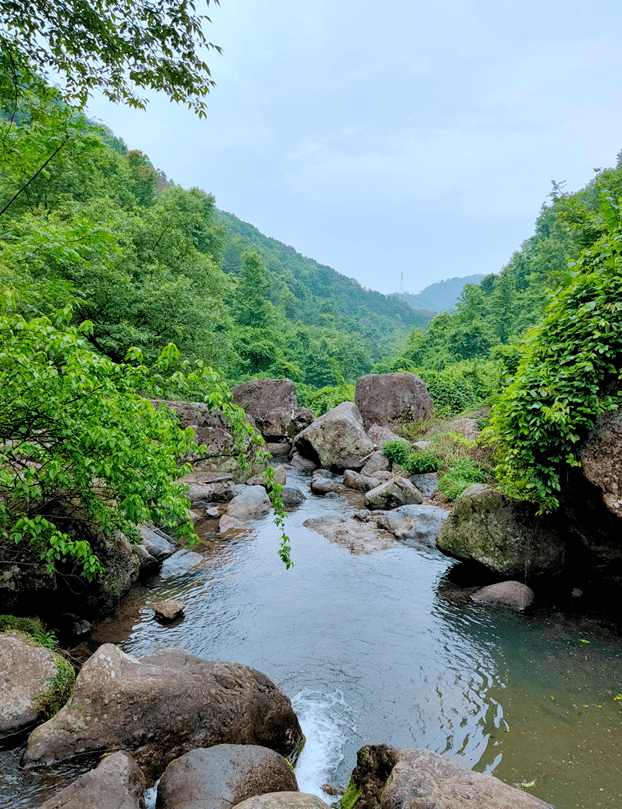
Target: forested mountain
{"points": [[148, 262], [440, 296]]}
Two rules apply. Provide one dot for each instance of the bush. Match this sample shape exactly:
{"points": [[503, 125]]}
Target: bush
{"points": [[460, 474], [413, 462], [568, 374], [322, 400], [78, 439]]}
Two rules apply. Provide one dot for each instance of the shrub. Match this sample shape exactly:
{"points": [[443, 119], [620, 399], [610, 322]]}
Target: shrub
{"points": [[460, 474]]}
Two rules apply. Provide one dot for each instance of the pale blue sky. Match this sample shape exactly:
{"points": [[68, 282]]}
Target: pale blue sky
{"points": [[398, 137]]}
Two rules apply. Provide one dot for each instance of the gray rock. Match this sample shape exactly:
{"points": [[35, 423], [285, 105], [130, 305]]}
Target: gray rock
{"points": [[250, 503], [337, 439], [601, 459], [302, 464], [512, 593], [426, 482], [421, 446], [466, 427], [382, 476], [271, 403], [26, 683], [228, 523], [222, 776], [180, 562], [381, 435], [414, 524], [280, 477], [279, 450], [158, 544], [163, 705], [360, 483], [377, 463], [292, 496], [116, 783], [389, 778], [322, 485], [501, 533], [283, 800], [357, 537], [212, 513], [386, 399], [392, 494], [148, 565], [168, 610]]}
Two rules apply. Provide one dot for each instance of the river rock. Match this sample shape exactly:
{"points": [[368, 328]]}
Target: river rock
{"points": [[421, 446], [302, 464], [280, 450], [382, 435], [466, 427], [601, 459], [270, 402], [382, 476], [386, 399], [322, 485], [224, 775], [250, 503], [116, 783], [357, 537], [148, 564], [513, 593], [392, 494], [377, 463], [27, 682], [390, 778], [283, 800], [168, 610], [280, 477], [361, 483], [337, 439], [228, 523], [157, 543], [163, 705], [414, 525], [180, 562], [426, 482], [292, 496], [501, 533]]}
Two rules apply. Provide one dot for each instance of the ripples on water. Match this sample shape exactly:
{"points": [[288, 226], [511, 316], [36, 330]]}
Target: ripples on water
{"points": [[371, 651]]}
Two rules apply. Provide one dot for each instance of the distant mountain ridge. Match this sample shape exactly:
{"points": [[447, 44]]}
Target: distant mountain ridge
{"points": [[440, 296]]}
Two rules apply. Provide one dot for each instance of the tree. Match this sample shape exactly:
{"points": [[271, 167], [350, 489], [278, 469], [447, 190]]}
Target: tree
{"points": [[116, 46]]}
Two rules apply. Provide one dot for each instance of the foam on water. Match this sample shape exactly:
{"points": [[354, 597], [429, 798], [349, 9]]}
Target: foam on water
{"points": [[328, 722]]}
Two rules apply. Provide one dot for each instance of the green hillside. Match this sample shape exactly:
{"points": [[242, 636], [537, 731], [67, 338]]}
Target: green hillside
{"points": [[440, 296]]}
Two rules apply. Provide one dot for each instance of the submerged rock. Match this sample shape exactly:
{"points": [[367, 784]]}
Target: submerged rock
{"points": [[386, 399], [292, 496], [392, 494], [32, 680], [222, 776], [337, 439], [163, 705], [512, 593], [168, 610], [501, 533], [116, 782], [390, 778], [357, 537]]}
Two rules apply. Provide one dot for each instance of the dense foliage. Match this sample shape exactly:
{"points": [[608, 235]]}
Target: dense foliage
{"points": [[569, 372]]}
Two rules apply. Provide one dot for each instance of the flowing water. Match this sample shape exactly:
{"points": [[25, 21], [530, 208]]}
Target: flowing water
{"points": [[382, 648]]}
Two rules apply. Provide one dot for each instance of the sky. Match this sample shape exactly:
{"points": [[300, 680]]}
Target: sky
{"points": [[404, 137]]}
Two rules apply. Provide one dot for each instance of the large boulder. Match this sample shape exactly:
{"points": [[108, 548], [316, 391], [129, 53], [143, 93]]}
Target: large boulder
{"points": [[381, 435], [221, 776], [252, 502], [163, 705], [270, 402], [337, 440], [414, 525], [116, 783], [283, 800], [393, 494], [356, 537], [386, 399], [503, 534], [390, 778], [34, 682], [601, 459]]}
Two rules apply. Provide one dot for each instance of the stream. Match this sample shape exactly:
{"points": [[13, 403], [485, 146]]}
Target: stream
{"points": [[384, 648]]}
